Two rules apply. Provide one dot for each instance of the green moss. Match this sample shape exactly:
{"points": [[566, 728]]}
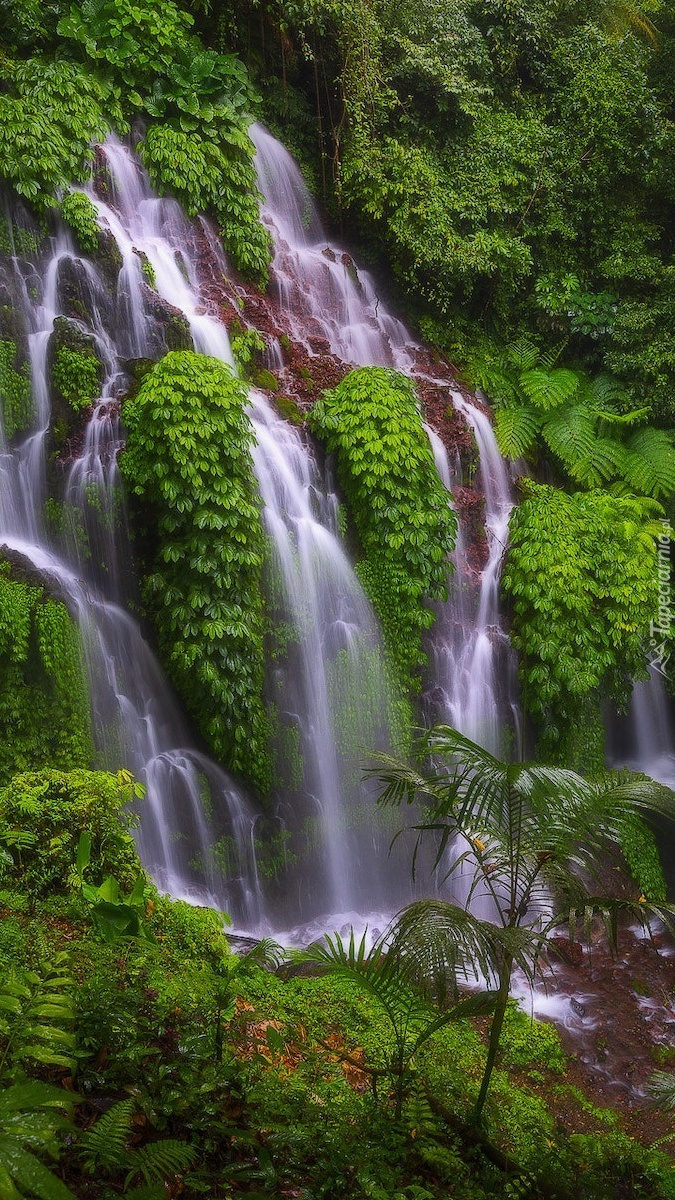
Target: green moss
{"points": [[269, 382], [289, 410]]}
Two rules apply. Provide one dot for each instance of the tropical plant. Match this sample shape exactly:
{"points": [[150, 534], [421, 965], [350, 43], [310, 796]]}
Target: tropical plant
{"points": [[54, 808], [585, 422], [527, 843], [36, 1018], [582, 582], [114, 916], [372, 423], [188, 460], [412, 1015], [107, 1147]]}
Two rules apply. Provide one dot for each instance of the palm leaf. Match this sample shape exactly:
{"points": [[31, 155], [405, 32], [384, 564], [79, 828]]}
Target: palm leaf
{"points": [[661, 1088]]}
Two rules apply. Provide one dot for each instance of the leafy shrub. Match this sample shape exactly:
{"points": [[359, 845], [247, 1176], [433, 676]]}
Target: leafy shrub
{"points": [[76, 374], [15, 391], [135, 38], [372, 423], [44, 813], [188, 459], [581, 577], [44, 707], [80, 215], [212, 171], [50, 113]]}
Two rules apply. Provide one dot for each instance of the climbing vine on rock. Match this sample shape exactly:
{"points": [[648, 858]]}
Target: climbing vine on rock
{"points": [[582, 580], [188, 461], [44, 711], [372, 423]]}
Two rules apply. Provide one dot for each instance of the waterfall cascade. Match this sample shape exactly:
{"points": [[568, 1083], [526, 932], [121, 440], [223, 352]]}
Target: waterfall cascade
{"points": [[328, 684]]}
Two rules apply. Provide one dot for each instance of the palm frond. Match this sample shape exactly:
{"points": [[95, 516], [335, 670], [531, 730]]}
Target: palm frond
{"points": [[661, 1089]]}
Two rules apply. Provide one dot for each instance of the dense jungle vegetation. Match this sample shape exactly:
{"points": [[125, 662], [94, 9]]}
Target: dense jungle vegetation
{"points": [[508, 170]]}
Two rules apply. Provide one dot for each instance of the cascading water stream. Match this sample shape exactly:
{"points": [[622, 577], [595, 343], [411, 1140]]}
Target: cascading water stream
{"points": [[337, 659], [326, 299]]}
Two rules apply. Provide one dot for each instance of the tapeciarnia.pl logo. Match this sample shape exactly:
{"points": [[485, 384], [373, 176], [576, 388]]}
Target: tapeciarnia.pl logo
{"points": [[659, 649]]}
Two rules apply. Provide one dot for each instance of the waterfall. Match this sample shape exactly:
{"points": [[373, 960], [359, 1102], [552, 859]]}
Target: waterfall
{"points": [[324, 296]]}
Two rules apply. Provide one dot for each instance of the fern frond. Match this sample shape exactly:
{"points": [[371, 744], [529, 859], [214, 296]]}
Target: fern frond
{"points": [[549, 389], [650, 462], [570, 434], [160, 1161], [606, 462], [523, 354], [104, 1146], [516, 429]]}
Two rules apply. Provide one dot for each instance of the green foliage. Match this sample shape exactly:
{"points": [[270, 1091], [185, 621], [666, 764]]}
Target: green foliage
{"points": [[114, 916], [525, 833], [50, 113], [212, 171], [385, 975], [105, 1147], [53, 808], [188, 459], [44, 710], [371, 422], [77, 376], [639, 848], [15, 391], [584, 422], [32, 1124], [81, 216], [582, 581], [36, 1018], [137, 40]]}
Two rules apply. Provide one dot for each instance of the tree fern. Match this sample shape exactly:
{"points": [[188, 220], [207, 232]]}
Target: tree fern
{"points": [[650, 462], [549, 389], [516, 429], [569, 433]]}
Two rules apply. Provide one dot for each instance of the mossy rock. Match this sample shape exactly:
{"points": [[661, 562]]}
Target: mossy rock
{"points": [[289, 410], [170, 328], [266, 380], [75, 374]]}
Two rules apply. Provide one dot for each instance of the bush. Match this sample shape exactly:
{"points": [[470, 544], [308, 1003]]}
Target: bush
{"points": [[43, 813], [372, 423]]}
